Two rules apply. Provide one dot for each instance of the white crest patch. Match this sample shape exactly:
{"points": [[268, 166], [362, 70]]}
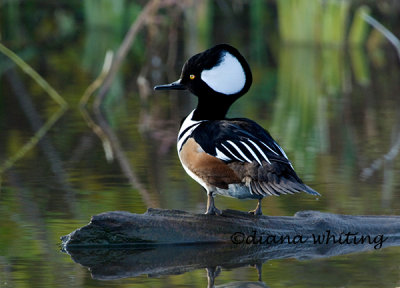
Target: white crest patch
{"points": [[227, 78]]}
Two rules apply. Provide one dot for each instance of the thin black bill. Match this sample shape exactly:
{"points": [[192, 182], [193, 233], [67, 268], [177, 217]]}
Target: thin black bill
{"points": [[172, 86]]}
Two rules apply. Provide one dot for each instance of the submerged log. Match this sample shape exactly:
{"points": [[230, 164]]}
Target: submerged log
{"points": [[231, 240], [157, 226]]}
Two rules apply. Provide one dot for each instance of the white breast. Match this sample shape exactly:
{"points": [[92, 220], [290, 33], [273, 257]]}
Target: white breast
{"points": [[188, 122]]}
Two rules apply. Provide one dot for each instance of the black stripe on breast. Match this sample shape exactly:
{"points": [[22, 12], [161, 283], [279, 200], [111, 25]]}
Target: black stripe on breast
{"points": [[186, 130]]}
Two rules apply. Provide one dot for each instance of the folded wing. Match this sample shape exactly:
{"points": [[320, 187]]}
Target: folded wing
{"points": [[253, 154]]}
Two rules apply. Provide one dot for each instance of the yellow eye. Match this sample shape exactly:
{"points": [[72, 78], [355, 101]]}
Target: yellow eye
{"points": [[192, 76]]}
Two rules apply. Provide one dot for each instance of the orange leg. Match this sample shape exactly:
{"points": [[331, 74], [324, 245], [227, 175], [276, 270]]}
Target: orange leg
{"points": [[211, 209], [257, 211]]}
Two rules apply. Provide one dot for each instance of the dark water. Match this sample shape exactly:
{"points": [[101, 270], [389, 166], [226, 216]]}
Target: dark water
{"points": [[335, 111]]}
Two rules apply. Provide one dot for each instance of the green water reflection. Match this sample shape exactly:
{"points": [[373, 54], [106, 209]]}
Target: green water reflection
{"points": [[334, 110]]}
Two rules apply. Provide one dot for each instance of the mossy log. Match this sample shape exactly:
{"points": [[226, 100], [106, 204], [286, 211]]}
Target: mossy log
{"points": [[169, 241]]}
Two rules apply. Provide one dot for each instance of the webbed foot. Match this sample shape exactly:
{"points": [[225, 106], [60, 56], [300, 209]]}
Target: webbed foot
{"points": [[213, 211]]}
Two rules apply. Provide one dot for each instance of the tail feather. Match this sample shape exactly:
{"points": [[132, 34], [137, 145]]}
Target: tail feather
{"points": [[256, 189], [284, 187], [309, 190], [291, 186], [281, 189], [269, 190]]}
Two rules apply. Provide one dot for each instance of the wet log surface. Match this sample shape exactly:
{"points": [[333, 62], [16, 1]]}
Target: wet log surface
{"points": [[158, 226], [121, 244]]}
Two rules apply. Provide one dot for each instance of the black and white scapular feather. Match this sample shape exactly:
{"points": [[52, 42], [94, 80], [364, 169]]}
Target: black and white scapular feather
{"points": [[231, 157]]}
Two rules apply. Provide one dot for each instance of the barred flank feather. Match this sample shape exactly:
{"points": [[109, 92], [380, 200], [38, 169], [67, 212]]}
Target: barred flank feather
{"points": [[264, 188]]}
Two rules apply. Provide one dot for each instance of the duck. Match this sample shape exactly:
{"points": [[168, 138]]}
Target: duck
{"points": [[233, 157]]}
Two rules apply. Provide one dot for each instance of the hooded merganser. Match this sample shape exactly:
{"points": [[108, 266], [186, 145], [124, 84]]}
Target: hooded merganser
{"points": [[231, 157]]}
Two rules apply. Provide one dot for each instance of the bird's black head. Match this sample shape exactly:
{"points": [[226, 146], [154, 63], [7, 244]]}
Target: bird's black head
{"points": [[220, 70], [218, 76]]}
